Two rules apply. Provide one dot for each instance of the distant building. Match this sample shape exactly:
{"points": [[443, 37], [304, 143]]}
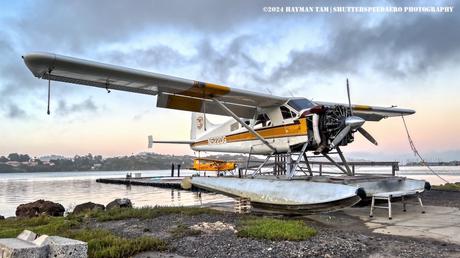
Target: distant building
{"points": [[48, 163], [13, 163], [96, 166]]}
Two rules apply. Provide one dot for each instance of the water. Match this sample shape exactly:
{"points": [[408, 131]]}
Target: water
{"points": [[72, 188]]}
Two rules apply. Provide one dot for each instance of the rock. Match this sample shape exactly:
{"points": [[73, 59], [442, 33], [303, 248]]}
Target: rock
{"points": [[88, 206], [27, 235], [61, 247], [1, 217], [14, 247], [208, 227], [25, 245], [40, 207], [120, 203]]}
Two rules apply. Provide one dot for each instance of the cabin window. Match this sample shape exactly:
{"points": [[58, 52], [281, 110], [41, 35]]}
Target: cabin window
{"points": [[234, 126], [300, 104], [263, 119], [286, 112]]}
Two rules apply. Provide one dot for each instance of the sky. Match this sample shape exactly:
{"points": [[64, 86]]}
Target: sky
{"points": [[406, 59]]}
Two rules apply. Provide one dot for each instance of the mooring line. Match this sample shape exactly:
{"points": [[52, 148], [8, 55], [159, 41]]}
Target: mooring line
{"points": [[412, 146]]}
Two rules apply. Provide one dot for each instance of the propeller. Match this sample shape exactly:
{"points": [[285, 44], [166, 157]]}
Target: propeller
{"points": [[349, 99], [368, 136], [352, 123]]}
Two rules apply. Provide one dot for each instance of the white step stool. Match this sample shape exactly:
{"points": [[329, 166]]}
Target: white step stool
{"points": [[388, 195]]}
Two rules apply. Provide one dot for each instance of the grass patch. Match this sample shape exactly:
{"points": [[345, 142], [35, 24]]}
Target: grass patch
{"points": [[40, 225], [146, 212], [275, 229], [447, 186], [101, 243], [183, 231]]}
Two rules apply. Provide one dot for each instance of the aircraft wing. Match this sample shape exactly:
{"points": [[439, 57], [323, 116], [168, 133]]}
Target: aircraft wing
{"points": [[173, 92], [372, 113]]}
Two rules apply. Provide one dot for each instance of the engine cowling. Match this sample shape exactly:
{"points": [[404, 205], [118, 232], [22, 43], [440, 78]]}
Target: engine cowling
{"points": [[332, 121]]}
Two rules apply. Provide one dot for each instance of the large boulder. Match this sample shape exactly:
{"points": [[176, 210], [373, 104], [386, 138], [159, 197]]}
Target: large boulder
{"points": [[88, 206], [119, 203], [40, 207]]}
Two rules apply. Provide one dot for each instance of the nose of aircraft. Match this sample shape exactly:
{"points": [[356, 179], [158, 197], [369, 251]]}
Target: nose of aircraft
{"points": [[354, 121]]}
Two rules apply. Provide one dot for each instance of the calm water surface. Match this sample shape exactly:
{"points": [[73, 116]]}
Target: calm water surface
{"points": [[72, 188]]}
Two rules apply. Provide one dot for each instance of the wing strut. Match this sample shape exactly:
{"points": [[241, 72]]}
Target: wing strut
{"points": [[296, 164], [250, 129]]}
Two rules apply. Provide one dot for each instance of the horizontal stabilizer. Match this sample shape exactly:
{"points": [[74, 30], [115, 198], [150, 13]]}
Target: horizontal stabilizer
{"points": [[151, 142]]}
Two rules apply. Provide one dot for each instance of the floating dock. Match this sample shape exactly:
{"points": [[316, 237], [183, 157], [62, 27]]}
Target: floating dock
{"points": [[162, 182]]}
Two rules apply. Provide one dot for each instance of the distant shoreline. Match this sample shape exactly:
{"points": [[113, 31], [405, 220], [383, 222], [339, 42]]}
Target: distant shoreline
{"points": [[76, 171]]}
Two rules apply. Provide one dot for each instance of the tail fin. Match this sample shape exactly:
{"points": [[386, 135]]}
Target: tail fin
{"points": [[199, 125]]}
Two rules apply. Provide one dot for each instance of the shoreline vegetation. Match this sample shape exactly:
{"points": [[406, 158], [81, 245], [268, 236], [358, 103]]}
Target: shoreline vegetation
{"points": [[14, 162], [447, 187]]}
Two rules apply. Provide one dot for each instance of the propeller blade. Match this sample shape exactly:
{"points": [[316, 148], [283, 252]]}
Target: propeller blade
{"points": [[340, 136], [349, 98], [367, 135]]}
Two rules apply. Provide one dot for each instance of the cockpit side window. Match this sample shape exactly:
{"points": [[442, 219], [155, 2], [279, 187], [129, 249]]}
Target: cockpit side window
{"points": [[300, 104], [286, 112], [263, 119]]}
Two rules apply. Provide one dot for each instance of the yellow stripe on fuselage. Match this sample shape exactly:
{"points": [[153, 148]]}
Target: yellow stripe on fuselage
{"points": [[295, 129]]}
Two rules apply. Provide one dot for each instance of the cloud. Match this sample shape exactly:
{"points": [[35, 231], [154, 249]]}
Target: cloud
{"points": [[156, 56], [397, 46], [108, 21], [14, 112], [233, 58], [216, 63], [224, 38], [86, 106]]}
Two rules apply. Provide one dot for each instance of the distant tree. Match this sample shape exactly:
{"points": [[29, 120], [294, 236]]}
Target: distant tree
{"points": [[98, 159], [13, 157], [18, 157], [24, 157]]}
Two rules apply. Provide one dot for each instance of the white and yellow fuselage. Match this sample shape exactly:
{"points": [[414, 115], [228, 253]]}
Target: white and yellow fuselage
{"points": [[232, 137]]}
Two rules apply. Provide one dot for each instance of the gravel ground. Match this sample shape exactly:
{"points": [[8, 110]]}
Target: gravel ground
{"points": [[333, 238]]}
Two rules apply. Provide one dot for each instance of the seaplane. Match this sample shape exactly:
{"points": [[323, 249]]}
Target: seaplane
{"points": [[217, 165], [259, 124]]}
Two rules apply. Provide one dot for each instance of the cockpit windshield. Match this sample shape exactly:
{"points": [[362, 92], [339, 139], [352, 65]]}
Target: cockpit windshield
{"points": [[300, 104]]}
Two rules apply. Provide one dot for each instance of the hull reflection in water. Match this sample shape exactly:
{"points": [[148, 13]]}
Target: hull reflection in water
{"points": [[283, 196]]}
